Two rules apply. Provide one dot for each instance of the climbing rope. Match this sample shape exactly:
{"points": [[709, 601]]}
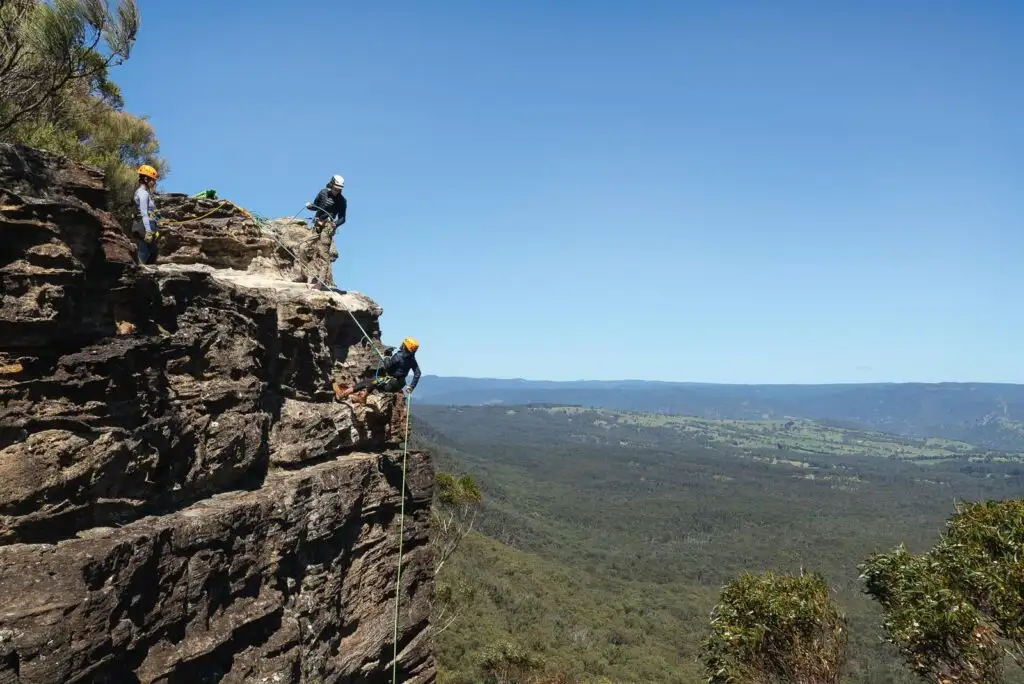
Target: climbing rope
{"points": [[194, 218], [401, 538], [405, 447], [261, 223]]}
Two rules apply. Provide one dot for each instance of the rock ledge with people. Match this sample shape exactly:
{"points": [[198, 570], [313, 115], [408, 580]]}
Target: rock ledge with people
{"points": [[187, 488]]}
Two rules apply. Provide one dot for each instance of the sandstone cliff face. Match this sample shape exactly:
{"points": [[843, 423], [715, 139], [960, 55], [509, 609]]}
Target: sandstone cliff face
{"points": [[180, 497]]}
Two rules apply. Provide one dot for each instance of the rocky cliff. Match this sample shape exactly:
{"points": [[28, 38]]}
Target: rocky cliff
{"points": [[181, 498]]}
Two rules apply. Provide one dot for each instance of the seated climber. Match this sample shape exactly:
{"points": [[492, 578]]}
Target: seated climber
{"points": [[330, 205], [144, 225], [390, 376]]}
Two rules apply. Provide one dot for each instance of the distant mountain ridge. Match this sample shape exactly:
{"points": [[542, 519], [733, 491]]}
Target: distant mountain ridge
{"points": [[987, 414]]}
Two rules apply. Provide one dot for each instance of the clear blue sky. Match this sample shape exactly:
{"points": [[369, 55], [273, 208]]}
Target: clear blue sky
{"points": [[705, 191]]}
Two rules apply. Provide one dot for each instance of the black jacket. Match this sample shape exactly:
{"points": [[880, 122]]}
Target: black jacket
{"points": [[400, 363], [327, 205]]}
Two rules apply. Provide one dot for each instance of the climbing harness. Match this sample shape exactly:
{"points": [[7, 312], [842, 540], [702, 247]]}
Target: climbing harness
{"points": [[401, 539], [377, 380], [405, 440], [260, 224], [313, 223]]}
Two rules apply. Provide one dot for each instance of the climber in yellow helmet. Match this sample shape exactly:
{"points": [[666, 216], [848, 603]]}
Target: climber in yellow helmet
{"points": [[390, 376], [144, 225]]}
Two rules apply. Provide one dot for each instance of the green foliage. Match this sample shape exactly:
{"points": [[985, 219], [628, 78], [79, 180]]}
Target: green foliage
{"points": [[45, 47], [949, 609], [508, 663], [940, 635], [587, 628], [59, 97], [982, 554], [457, 492], [89, 130], [604, 549], [776, 628], [456, 503]]}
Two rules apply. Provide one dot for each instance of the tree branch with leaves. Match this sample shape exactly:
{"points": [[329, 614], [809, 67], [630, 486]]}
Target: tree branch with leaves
{"points": [[44, 47], [956, 611], [457, 501], [942, 637], [982, 554], [776, 628]]}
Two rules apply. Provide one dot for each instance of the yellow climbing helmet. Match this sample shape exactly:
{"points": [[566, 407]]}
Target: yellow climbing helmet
{"points": [[411, 344], [148, 171]]}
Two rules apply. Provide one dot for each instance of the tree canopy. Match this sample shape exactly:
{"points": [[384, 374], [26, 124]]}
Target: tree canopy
{"points": [[55, 88]]}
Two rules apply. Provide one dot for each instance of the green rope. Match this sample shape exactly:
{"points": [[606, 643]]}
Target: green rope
{"points": [[401, 536], [261, 224]]}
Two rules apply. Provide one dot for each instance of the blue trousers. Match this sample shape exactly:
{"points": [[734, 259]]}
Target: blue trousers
{"points": [[145, 250]]}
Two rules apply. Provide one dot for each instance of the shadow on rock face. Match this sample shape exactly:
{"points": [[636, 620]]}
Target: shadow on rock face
{"points": [[181, 498]]}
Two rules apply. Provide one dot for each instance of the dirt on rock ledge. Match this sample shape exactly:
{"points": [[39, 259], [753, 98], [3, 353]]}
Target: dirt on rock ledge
{"points": [[180, 497]]}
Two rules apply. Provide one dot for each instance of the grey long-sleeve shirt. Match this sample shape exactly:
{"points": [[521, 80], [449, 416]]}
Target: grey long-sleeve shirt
{"points": [[145, 207]]}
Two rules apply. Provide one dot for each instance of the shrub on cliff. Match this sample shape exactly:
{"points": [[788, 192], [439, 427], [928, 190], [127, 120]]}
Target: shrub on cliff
{"points": [[776, 628], [955, 611], [55, 90], [941, 636], [507, 662], [453, 513]]}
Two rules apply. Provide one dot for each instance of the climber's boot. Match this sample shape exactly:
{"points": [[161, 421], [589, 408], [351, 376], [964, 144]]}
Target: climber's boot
{"points": [[341, 393]]}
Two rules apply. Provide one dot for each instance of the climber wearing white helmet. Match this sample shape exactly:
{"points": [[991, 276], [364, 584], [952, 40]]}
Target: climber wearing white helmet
{"points": [[330, 205]]}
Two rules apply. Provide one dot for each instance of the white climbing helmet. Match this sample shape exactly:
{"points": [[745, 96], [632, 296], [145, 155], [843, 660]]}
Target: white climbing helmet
{"points": [[338, 180]]}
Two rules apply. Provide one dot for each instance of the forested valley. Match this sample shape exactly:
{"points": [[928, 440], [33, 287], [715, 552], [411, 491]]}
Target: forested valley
{"points": [[605, 538]]}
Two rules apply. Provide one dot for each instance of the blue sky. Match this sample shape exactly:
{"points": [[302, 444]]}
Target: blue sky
{"points": [[704, 191]]}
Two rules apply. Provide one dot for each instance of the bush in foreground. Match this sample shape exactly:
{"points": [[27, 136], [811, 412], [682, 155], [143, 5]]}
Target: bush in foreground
{"points": [[776, 628]]}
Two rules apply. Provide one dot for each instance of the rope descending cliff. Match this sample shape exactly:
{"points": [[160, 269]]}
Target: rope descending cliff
{"points": [[181, 496]]}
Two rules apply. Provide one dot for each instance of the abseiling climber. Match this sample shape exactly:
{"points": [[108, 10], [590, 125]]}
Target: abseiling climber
{"points": [[330, 205], [390, 377], [144, 225]]}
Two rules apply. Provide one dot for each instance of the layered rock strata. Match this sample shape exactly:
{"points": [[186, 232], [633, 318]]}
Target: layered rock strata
{"points": [[181, 499]]}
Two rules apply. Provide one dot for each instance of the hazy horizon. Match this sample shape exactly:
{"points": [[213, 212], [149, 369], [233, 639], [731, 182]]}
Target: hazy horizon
{"points": [[737, 384]]}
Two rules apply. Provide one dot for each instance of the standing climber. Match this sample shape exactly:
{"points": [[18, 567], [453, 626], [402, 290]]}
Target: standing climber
{"points": [[144, 225], [391, 375], [330, 205]]}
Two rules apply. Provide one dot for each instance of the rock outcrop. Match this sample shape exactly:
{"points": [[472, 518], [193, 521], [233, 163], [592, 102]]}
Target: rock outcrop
{"points": [[181, 499], [217, 233]]}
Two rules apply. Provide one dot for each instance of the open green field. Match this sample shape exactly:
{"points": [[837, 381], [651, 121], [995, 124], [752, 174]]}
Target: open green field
{"points": [[790, 435], [606, 537]]}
